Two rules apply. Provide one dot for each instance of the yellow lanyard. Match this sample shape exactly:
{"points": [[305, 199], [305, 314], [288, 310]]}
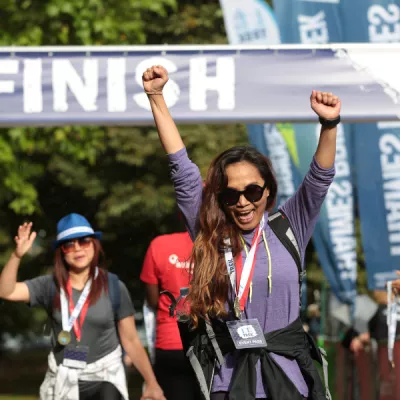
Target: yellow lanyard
{"points": [[269, 265]]}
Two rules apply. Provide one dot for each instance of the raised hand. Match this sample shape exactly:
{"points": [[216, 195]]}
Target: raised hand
{"points": [[154, 79], [24, 239], [325, 104]]}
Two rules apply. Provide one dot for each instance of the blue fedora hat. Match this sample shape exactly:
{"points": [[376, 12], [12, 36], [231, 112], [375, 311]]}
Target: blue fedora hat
{"points": [[73, 226]]}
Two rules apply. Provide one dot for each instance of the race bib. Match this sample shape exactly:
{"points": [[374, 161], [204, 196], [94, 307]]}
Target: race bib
{"points": [[75, 356], [246, 333]]}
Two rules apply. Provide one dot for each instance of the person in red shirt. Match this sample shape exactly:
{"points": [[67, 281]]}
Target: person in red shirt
{"points": [[167, 267]]}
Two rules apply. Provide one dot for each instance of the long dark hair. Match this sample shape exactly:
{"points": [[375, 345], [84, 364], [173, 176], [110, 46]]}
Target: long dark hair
{"points": [[210, 286], [61, 273]]}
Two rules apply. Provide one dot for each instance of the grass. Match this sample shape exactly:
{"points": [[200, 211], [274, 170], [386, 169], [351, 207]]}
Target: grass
{"points": [[8, 397]]}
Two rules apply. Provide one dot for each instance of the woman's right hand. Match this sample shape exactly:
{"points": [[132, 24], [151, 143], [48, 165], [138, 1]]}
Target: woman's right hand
{"points": [[24, 239], [154, 79]]}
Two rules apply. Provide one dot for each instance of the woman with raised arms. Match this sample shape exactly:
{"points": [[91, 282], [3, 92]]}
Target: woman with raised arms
{"points": [[245, 280]]}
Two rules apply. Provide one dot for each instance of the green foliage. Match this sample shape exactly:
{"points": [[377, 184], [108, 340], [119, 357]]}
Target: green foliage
{"points": [[78, 22]]}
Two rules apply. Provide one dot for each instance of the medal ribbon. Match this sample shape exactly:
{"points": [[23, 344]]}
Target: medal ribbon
{"points": [[391, 321], [241, 283], [269, 264], [82, 314], [80, 309]]}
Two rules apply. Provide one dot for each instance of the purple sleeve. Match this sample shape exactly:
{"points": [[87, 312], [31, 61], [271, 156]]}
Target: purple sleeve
{"points": [[188, 185], [303, 208]]}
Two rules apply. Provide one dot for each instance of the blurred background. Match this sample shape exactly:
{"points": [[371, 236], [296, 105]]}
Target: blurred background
{"points": [[118, 178]]}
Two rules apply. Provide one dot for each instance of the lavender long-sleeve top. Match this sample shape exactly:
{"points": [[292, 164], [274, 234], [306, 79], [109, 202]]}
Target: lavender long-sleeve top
{"points": [[280, 308]]}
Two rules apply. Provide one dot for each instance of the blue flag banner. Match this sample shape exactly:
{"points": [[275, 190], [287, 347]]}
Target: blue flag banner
{"points": [[250, 22], [377, 145], [334, 235], [377, 21], [208, 84], [309, 21], [377, 159], [317, 22]]}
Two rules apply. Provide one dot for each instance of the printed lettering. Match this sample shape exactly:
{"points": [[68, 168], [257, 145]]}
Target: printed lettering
{"points": [[251, 342], [66, 77], [174, 260], [223, 82], [389, 145], [116, 86], [340, 209], [75, 81], [231, 266], [33, 97], [8, 67], [384, 24], [313, 28]]}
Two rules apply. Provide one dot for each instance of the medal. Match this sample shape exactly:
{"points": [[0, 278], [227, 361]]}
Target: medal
{"points": [[236, 307], [64, 338]]}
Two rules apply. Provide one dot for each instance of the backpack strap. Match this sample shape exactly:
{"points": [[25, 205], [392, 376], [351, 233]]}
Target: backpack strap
{"points": [[280, 225], [114, 292]]}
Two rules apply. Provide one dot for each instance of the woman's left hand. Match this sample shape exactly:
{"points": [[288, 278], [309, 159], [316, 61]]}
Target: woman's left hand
{"points": [[153, 392], [325, 104]]}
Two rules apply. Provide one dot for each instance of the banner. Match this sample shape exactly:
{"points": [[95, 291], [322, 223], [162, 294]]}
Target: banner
{"points": [[318, 22], [309, 21], [377, 21], [334, 234], [377, 145], [250, 22], [208, 84]]}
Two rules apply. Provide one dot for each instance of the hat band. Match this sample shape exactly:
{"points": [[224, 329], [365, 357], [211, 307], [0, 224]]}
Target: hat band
{"points": [[71, 231]]}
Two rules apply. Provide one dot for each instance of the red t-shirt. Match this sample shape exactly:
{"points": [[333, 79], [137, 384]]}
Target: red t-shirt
{"points": [[167, 264]]}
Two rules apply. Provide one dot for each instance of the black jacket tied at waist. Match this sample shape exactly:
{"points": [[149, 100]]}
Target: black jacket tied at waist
{"points": [[292, 342], [203, 349]]}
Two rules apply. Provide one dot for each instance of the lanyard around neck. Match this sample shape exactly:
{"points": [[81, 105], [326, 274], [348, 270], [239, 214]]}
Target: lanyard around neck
{"points": [[246, 268], [81, 306], [269, 264]]}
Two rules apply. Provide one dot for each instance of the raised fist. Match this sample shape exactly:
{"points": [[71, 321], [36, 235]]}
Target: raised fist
{"points": [[154, 79], [325, 104]]}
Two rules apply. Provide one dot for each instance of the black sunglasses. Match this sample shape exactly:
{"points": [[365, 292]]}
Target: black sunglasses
{"points": [[252, 193]]}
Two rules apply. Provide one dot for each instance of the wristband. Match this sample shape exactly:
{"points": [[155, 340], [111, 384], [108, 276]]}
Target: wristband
{"points": [[329, 123]]}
